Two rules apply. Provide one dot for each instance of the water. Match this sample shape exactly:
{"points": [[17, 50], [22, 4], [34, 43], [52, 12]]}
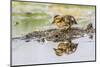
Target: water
{"points": [[35, 52]]}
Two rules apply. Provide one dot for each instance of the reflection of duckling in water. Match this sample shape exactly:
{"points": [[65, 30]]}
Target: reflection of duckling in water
{"points": [[61, 49], [66, 48], [64, 22], [71, 47]]}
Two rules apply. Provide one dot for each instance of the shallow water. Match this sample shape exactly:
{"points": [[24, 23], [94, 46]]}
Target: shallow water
{"points": [[35, 52]]}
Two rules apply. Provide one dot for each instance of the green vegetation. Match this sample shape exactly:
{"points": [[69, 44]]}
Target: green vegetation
{"points": [[30, 16], [75, 6]]}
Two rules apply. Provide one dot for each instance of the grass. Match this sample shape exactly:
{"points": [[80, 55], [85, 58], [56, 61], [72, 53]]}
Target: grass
{"points": [[30, 14]]}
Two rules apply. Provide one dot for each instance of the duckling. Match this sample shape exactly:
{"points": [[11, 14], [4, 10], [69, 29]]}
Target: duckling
{"points": [[64, 22], [65, 48]]}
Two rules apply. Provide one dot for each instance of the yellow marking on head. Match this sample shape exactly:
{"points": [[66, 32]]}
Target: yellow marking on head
{"points": [[57, 19]]}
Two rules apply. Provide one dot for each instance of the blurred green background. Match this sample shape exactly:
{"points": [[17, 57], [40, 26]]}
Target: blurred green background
{"points": [[30, 16]]}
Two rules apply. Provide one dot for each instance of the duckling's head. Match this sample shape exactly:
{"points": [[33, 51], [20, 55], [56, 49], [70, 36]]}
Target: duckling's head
{"points": [[71, 19], [57, 19]]}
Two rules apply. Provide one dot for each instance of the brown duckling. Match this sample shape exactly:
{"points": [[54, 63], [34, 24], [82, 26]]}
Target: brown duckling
{"points": [[64, 22]]}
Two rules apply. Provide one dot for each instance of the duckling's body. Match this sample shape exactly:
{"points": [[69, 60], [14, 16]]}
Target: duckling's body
{"points": [[64, 22]]}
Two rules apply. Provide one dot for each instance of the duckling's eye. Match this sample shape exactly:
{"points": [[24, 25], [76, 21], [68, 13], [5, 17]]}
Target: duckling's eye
{"points": [[72, 19]]}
